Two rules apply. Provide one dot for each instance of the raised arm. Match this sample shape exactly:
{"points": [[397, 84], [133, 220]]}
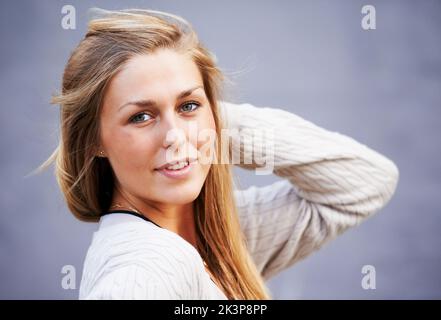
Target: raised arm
{"points": [[331, 183]]}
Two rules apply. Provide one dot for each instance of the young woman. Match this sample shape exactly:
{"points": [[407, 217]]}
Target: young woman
{"points": [[172, 226]]}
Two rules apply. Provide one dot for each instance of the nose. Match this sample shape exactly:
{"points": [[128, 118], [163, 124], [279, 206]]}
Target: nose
{"points": [[173, 131]]}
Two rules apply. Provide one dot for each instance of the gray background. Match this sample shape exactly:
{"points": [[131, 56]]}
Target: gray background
{"points": [[381, 87]]}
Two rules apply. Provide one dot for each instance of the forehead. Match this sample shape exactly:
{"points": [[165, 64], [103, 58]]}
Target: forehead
{"points": [[158, 76]]}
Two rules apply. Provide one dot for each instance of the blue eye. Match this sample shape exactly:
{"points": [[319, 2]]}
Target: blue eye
{"points": [[186, 108], [137, 116], [189, 104]]}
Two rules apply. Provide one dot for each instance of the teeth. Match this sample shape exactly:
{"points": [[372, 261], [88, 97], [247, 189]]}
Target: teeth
{"points": [[178, 165]]}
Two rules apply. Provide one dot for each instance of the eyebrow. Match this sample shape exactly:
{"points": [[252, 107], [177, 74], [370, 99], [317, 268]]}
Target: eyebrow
{"points": [[149, 103]]}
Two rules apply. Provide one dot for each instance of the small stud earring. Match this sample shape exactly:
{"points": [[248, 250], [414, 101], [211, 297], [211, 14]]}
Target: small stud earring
{"points": [[102, 153]]}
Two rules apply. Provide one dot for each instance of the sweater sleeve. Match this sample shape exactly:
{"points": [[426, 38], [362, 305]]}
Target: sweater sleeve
{"points": [[330, 183]]}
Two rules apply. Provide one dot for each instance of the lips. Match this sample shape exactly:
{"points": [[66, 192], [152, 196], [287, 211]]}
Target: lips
{"points": [[174, 162], [184, 172]]}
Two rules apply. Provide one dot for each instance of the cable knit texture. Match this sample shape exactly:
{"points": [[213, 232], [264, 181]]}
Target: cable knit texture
{"points": [[330, 183]]}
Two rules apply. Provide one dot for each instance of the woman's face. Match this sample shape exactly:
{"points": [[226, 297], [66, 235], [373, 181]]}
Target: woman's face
{"points": [[147, 109]]}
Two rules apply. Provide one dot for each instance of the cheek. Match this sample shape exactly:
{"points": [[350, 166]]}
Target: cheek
{"points": [[206, 133], [131, 152], [206, 119]]}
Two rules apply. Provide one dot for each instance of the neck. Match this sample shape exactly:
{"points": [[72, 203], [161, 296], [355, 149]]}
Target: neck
{"points": [[176, 218]]}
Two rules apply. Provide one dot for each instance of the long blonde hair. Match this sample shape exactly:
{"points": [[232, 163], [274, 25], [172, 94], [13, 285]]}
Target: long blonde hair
{"points": [[87, 181]]}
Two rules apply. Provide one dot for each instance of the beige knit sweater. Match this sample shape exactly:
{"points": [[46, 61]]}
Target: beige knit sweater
{"points": [[330, 183]]}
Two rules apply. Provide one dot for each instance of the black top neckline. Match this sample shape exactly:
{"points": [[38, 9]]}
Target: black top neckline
{"points": [[133, 213]]}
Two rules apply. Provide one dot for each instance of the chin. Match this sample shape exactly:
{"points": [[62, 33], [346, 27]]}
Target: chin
{"points": [[180, 195]]}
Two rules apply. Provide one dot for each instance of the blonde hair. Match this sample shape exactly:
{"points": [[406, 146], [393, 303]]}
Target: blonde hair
{"points": [[87, 181]]}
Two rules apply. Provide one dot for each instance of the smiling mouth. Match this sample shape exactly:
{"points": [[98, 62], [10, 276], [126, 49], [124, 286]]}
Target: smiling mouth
{"points": [[178, 170], [177, 164]]}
